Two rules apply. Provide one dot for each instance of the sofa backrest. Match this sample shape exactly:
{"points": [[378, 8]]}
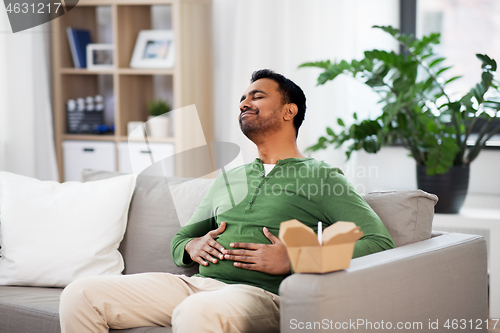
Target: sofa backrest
{"points": [[155, 217], [153, 221], [407, 215]]}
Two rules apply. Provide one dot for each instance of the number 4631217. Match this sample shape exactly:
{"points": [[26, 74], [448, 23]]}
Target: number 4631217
{"points": [[39, 8]]}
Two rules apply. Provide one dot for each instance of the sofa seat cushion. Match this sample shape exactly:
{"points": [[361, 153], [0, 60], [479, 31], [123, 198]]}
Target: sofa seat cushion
{"points": [[29, 309], [407, 215], [36, 309]]}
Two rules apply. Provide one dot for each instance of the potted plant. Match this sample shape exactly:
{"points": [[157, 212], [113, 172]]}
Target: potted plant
{"points": [[419, 114], [158, 121]]}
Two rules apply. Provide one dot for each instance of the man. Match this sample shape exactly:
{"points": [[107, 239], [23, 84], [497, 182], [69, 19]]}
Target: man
{"points": [[242, 262]]}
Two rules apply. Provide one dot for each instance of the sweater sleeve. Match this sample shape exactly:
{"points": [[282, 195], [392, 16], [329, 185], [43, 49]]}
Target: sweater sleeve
{"points": [[198, 225], [345, 204]]}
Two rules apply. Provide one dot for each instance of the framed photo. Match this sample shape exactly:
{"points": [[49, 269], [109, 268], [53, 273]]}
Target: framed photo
{"points": [[100, 56], [154, 49]]}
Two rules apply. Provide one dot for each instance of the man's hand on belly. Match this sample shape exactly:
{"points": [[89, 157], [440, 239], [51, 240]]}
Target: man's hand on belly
{"points": [[272, 259], [206, 248]]}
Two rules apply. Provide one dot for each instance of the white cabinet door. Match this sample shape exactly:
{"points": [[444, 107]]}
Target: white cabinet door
{"points": [[79, 155], [135, 157]]}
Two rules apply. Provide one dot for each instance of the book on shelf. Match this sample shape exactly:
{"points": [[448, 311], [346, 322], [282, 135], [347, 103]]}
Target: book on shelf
{"points": [[78, 41]]}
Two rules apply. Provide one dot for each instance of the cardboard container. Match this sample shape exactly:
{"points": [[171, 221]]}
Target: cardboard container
{"points": [[308, 256]]}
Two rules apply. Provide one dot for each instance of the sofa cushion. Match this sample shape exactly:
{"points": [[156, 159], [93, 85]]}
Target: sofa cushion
{"points": [[29, 309], [153, 220], [407, 215], [55, 233], [35, 309]]}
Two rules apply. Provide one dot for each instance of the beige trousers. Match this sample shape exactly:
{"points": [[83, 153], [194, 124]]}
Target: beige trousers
{"points": [[188, 304]]}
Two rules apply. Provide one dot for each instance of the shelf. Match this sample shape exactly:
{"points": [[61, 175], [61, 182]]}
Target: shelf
{"points": [[123, 71], [112, 137], [83, 71], [151, 140], [145, 71], [89, 137], [124, 2]]}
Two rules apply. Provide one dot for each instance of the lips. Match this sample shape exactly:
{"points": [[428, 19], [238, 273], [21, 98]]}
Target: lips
{"points": [[247, 113]]}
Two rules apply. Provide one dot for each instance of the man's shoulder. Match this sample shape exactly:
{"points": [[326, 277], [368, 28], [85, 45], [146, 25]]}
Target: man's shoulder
{"points": [[323, 166], [224, 173]]}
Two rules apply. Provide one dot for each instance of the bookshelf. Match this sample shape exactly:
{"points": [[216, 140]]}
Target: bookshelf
{"points": [[189, 82]]}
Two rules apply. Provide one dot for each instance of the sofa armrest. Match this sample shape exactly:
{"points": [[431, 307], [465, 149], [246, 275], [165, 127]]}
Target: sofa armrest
{"points": [[441, 278]]}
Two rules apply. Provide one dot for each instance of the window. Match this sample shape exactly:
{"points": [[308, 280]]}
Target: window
{"points": [[466, 28]]}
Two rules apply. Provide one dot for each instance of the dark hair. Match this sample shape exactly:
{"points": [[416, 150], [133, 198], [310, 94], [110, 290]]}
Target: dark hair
{"points": [[290, 92]]}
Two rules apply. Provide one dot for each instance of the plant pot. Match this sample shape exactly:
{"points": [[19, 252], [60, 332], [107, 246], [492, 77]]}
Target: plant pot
{"points": [[450, 187], [158, 127]]}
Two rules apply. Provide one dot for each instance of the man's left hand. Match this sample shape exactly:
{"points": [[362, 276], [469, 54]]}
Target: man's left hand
{"points": [[272, 259]]}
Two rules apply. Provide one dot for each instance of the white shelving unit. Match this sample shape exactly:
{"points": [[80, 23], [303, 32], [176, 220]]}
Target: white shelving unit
{"points": [[189, 82]]}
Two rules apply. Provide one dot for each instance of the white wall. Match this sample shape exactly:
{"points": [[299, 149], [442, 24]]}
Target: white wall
{"points": [[393, 169], [282, 34]]}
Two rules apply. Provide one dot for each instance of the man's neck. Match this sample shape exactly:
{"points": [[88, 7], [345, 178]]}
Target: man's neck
{"points": [[276, 147]]}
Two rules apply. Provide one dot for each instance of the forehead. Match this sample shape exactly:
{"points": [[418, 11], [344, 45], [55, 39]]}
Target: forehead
{"points": [[266, 85]]}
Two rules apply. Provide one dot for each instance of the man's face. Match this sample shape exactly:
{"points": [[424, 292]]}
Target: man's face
{"points": [[260, 109]]}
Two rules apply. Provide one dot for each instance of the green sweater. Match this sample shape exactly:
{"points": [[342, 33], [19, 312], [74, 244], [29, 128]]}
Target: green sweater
{"points": [[247, 200]]}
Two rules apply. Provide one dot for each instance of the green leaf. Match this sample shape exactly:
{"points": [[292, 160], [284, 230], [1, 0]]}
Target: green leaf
{"points": [[370, 146], [402, 121], [340, 122], [427, 83], [486, 78], [329, 131], [443, 70], [355, 116], [487, 62], [382, 71], [432, 127], [319, 64], [344, 65], [453, 79], [325, 77], [436, 61], [375, 82], [389, 29]]}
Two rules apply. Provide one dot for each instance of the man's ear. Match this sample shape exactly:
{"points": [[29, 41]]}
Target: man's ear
{"points": [[291, 110]]}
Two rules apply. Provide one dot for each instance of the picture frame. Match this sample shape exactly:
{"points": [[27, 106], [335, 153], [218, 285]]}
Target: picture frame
{"points": [[100, 56], [154, 49]]}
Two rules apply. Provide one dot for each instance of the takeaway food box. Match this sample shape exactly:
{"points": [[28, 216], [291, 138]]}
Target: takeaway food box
{"points": [[309, 256]]}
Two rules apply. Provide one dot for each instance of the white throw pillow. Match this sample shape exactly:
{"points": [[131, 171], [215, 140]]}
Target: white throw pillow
{"points": [[52, 233]]}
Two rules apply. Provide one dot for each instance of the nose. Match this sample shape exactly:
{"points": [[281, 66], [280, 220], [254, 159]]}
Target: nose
{"points": [[245, 104]]}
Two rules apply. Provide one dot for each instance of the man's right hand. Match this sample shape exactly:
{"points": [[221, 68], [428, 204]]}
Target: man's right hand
{"points": [[203, 249]]}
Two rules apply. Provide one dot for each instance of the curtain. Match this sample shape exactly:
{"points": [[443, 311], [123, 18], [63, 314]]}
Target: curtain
{"points": [[282, 34], [26, 129]]}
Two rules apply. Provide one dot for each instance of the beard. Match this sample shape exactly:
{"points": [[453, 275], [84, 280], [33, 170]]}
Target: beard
{"points": [[255, 126]]}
